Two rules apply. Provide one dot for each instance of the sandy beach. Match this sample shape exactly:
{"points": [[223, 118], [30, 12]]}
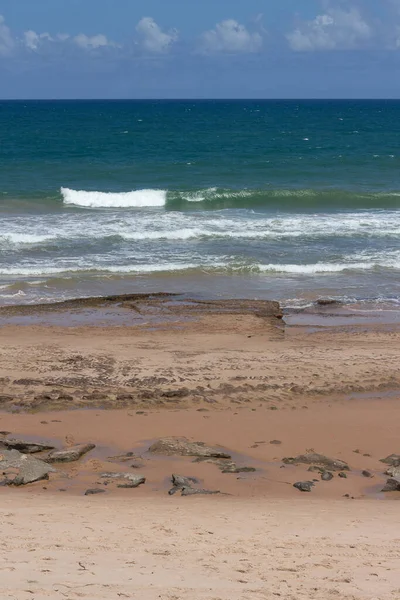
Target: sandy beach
{"points": [[257, 394]]}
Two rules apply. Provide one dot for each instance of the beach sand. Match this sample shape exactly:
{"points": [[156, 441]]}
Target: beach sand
{"points": [[238, 380]]}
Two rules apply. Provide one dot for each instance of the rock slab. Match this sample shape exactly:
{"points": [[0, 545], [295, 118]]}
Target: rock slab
{"points": [[26, 447], [21, 469], [69, 454], [181, 446], [130, 480]]}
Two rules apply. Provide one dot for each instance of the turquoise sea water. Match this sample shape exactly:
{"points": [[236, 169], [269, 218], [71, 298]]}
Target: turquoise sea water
{"points": [[281, 199]]}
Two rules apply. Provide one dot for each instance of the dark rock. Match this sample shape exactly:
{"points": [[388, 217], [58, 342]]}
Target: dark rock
{"points": [[366, 474], [4, 433], [314, 458], [392, 485], [342, 474], [21, 469], [180, 481], [183, 447], [69, 454], [276, 442], [93, 491], [131, 480], [189, 491], [26, 447], [304, 486], [393, 460], [326, 476], [181, 393]]}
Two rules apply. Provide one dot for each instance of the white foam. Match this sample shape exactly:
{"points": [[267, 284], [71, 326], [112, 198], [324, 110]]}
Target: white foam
{"points": [[314, 269], [134, 199], [24, 238]]}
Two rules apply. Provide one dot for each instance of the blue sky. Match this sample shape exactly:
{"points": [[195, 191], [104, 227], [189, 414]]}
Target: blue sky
{"points": [[203, 49]]}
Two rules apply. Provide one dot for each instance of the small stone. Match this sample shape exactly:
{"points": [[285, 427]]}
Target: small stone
{"points": [[326, 476], [366, 474], [343, 475], [304, 486], [313, 458], [92, 491], [62, 490], [275, 442]]}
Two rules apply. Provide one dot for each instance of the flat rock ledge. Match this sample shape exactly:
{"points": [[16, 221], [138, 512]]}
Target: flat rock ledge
{"points": [[69, 454], [181, 446], [26, 447], [129, 480], [21, 469]]}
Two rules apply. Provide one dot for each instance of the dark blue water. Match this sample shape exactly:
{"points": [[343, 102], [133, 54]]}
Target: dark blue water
{"points": [[283, 199]]}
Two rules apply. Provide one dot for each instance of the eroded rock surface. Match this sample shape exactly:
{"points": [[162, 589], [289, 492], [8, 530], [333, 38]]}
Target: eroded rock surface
{"points": [[21, 469], [181, 446], [130, 480], [392, 485], [313, 458]]}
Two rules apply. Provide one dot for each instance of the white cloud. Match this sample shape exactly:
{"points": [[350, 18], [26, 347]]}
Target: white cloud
{"points": [[230, 36], [336, 29], [6, 40], [33, 40], [154, 39], [92, 42]]}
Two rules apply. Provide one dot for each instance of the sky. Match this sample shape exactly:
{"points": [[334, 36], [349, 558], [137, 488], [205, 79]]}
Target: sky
{"points": [[199, 49]]}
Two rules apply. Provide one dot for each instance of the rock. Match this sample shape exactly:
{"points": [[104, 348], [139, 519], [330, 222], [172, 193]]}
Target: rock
{"points": [[304, 486], [92, 491], [189, 491], [326, 476], [366, 474], [180, 481], [392, 485], [132, 481], [275, 442], [69, 454], [181, 446], [342, 474], [393, 460], [393, 472], [21, 469], [313, 458], [122, 457], [328, 302], [239, 470], [315, 469], [26, 447]]}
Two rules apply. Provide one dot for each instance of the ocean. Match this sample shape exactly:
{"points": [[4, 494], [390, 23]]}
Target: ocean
{"points": [[286, 200]]}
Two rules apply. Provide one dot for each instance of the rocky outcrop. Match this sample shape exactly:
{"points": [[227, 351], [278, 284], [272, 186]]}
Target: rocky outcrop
{"points": [[313, 458], [392, 485], [181, 446], [26, 447], [69, 454], [393, 472], [393, 460], [21, 469]]}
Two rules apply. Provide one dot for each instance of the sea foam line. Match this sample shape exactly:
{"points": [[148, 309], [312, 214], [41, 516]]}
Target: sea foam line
{"points": [[133, 199]]}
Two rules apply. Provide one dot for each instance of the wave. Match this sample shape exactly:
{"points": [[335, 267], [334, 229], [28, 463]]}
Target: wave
{"points": [[214, 198], [211, 267], [134, 199]]}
